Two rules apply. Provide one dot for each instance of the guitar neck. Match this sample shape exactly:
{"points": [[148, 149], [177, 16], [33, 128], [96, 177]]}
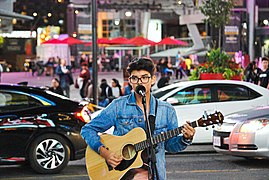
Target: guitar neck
{"points": [[161, 137]]}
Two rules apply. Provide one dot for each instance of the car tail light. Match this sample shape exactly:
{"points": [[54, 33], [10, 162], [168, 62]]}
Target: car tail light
{"points": [[84, 114]]}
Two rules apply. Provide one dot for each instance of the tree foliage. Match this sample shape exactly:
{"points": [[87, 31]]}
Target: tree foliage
{"points": [[217, 12]]}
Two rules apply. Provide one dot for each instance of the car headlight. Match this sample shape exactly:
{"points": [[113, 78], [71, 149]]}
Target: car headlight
{"points": [[254, 125]]}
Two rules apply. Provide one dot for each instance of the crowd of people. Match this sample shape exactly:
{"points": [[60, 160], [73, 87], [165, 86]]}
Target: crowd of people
{"points": [[256, 75], [166, 70]]}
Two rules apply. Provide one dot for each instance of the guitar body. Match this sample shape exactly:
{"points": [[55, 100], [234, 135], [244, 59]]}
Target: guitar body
{"points": [[130, 147], [121, 145]]}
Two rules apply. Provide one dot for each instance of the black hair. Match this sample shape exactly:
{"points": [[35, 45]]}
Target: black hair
{"points": [[56, 79], [143, 63], [265, 58]]}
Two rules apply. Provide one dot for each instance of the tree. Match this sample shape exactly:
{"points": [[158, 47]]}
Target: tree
{"points": [[217, 13]]}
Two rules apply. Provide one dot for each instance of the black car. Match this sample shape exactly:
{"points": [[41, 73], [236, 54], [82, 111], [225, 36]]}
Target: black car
{"points": [[41, 127]]}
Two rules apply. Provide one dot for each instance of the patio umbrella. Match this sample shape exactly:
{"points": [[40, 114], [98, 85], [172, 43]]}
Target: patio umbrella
{"points": [[119, 40], [103, 41], [53, 41], [171, 41], [139, 41], [72, 41], [99, 41]]}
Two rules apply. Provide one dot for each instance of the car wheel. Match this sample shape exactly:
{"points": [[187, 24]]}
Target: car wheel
{"points": [[49, 153]]}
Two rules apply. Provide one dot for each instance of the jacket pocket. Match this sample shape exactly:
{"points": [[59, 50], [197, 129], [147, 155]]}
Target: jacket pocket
{"points": [[125, 125]]}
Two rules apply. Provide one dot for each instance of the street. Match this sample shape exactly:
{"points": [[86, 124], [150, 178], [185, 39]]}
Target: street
{"points": [[180, 166]]}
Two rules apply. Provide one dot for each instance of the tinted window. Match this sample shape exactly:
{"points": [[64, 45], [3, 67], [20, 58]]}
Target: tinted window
{"points": [[10, 101], [193, 95], [232, 93]]}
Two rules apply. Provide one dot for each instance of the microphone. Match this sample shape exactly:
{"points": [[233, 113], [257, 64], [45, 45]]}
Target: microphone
{"points": [[141, 90]]}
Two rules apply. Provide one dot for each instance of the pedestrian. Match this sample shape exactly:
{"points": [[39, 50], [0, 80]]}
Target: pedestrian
{"points": [[127, 112], [116, 88], [85, 76], [1, 70], [65, 76], [252, 73], [264, 75], [106, 93], [180, 63], [55, 86], [163, 81]]}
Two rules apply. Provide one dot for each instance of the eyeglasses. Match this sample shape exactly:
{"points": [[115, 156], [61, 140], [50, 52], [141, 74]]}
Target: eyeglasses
{"points": [[143, 79]]}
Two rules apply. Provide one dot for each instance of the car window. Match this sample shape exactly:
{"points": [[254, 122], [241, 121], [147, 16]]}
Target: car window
{"points": [[232, 93], [159, 94], [11, 101], [193, 95]]}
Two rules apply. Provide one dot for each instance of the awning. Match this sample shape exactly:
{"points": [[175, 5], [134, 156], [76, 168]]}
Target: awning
{"points": [[10, 14]]}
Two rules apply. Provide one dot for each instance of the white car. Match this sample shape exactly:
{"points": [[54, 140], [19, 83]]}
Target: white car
{"points": [[192, 98], [244, 134]]}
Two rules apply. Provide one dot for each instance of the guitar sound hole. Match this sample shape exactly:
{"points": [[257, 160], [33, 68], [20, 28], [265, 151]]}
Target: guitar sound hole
{"points": [[128, 152]]}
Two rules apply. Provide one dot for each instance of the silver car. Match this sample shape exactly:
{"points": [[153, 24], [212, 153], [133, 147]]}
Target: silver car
{"points": [[244, 134]]}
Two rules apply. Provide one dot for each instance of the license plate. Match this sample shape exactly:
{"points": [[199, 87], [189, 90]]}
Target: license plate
{"points": [[216, 141]]}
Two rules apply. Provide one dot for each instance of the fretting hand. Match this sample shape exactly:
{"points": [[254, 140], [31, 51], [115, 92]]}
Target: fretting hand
{"points": [[188, 131]]}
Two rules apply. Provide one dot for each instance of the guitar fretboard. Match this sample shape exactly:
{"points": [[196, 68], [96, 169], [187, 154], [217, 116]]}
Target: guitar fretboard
{"points": [[161, 137]]}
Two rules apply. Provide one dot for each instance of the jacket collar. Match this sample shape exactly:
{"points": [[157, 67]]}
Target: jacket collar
{"points": [[132, 101]]}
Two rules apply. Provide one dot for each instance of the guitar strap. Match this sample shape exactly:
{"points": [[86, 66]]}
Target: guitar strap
{"points": [[152, 119]]}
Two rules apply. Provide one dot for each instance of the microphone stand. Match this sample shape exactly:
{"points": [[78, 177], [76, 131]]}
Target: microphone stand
{"points": [[151, 150]]}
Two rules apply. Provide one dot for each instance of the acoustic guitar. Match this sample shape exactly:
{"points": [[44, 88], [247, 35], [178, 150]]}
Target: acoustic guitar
{"points": [[130, 147]]}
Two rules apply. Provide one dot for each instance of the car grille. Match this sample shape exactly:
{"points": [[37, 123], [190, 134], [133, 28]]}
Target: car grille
{"points": [[222, 136], [247, 147]]}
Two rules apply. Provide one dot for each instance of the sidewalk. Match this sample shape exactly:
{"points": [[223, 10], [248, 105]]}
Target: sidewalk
{"points": [[16, 77]]}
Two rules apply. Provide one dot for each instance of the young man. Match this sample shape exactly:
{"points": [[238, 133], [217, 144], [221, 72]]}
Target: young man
{"points": [[127, 112], [264, 74]]}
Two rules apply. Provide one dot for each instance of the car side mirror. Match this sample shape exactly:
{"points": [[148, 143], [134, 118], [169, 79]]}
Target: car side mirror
{"points": [[172, 100]]}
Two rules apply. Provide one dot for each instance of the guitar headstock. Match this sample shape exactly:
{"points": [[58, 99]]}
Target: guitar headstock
{"points": [[211, 119]]}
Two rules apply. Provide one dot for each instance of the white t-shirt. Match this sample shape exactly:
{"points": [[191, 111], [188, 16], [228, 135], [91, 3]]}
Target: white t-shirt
{"points": [[115, 91]]}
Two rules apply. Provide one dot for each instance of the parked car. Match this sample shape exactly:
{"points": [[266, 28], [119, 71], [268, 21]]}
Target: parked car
{"points": [[40, 127], [244, 134], [192, 98]]}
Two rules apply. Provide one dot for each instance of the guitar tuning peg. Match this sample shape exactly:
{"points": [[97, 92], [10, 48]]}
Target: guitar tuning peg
{"points": [[210, 122], [205, 115], [204, 124]]}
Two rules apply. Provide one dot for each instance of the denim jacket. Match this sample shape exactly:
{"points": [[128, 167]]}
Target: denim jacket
{"points": [[124, 115]]}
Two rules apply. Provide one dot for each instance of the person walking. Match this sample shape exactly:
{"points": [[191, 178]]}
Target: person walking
{"points": [[264, 75], [85, 76], [127, 112], [65, 76]]}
